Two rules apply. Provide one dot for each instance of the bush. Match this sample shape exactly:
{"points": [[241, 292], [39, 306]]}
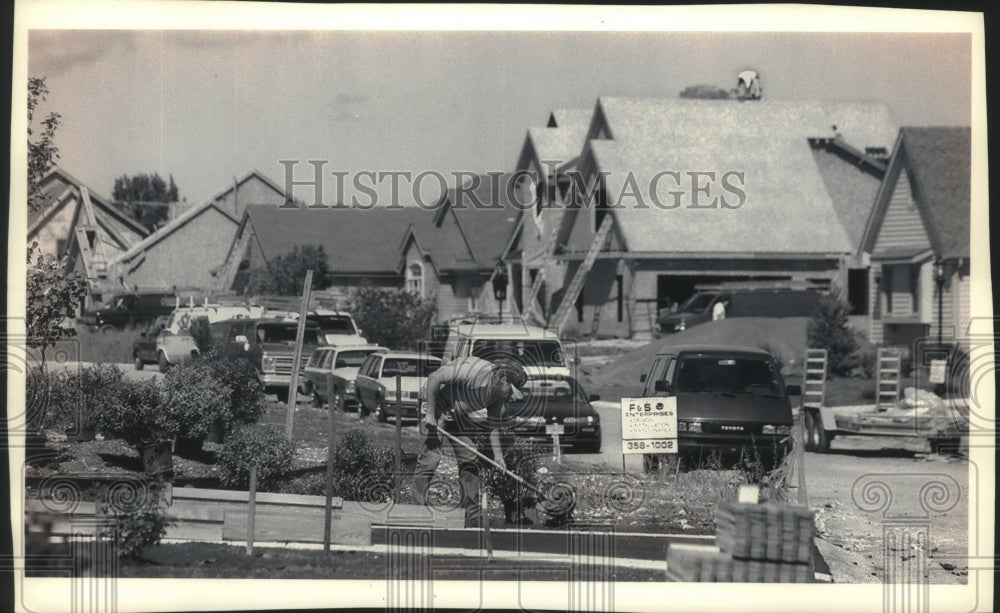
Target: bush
{"points": [[257, 446], [139, 528], [246, 394], [828, 329], [361, 470], [522, 458], [390, 317], [194, 399], [201, 331], [133, 412]]}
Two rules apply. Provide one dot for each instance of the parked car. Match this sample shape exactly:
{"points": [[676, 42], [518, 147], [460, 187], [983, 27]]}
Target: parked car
{"points": [[737, 301], [144, 349], [376, 382], [338, 364], [557, 403], [730, 400], [269, 344], [130, 309]]}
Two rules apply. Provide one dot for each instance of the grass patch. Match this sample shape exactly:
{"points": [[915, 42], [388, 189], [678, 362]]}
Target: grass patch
{"points": [[111, 347], [216, 561]]}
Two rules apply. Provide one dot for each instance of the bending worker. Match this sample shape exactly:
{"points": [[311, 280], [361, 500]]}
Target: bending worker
{"points": [[466, 397]]}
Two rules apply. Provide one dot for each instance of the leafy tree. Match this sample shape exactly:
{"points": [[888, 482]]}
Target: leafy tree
{"points": [[828, 329], [285, 274], [42, 151], [707, 92], [54, 295], [138, 196], [392, 317]]}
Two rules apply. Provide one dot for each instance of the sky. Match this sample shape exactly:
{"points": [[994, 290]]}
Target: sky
{"points": [[208, 105]]}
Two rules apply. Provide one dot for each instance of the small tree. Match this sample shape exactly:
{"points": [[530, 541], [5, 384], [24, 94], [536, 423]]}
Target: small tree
{"points": [[392, 317], [828, 329], [54, 295], [42, 151], [285, 274]]}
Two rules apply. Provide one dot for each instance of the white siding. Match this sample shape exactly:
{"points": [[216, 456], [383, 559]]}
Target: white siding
{"points": [[902, 225]]}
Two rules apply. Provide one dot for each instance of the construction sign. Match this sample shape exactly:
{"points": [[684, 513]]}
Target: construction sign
{"points": [[649, 425]]}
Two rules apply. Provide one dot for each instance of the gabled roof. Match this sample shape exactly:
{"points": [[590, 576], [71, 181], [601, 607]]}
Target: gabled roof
{"points": [[439, 236], [781, 204], [487, 215], [942, 165], [250, 175], [175, 224], [194, 212], [58, 184], [852, 185], [356, 241], [938, 161], [862, 124], [564, 118], [558, 143]]}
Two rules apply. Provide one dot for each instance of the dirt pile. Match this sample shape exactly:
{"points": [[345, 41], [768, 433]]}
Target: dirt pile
{"points": [[785, 336]]}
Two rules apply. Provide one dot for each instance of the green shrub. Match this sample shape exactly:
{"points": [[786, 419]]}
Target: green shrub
{"points": [[246, 394], [522, 458], [258, 446], [828, 329], [140, 528], [201, 331], [391, 317], [362, 471], [133, 412], [194, 398]]}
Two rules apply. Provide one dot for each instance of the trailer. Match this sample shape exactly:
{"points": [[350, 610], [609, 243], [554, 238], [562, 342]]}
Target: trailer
{"points": [[912, 413]]}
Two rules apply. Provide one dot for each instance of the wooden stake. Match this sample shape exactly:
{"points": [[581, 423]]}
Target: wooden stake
{"points": [[252, 510], [399, 436], [293, 385], [328, 509]]}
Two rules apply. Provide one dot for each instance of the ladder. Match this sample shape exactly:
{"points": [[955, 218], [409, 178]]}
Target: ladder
{"points": [[887, 382], [576, 285], [536, 285], [529, 302], [814, 379]]}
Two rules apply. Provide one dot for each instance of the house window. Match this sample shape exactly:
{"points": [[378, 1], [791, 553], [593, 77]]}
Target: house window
{"points": [[901, 295], [415, 279]]}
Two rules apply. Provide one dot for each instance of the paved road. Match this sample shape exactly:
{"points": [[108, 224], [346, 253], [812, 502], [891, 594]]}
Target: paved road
{"points": [[846, 486]]}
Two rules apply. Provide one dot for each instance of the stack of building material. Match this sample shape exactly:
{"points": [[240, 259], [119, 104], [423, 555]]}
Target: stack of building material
{"points": [[769, 542]]}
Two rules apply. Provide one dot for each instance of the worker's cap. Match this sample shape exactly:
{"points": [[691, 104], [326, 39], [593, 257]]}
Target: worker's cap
{"points": [[515, 375]]}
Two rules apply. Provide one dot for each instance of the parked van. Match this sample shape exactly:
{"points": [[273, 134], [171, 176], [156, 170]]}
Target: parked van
{"points": [[539, 350], [740, 302], [174, 343], [730, 401]]}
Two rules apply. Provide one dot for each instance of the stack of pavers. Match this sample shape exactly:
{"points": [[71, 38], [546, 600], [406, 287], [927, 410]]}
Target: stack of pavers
{"points": [[757, 543]]}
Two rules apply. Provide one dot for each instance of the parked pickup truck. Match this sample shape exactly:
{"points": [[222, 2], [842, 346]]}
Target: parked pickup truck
{"points": [[269, 344]]}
